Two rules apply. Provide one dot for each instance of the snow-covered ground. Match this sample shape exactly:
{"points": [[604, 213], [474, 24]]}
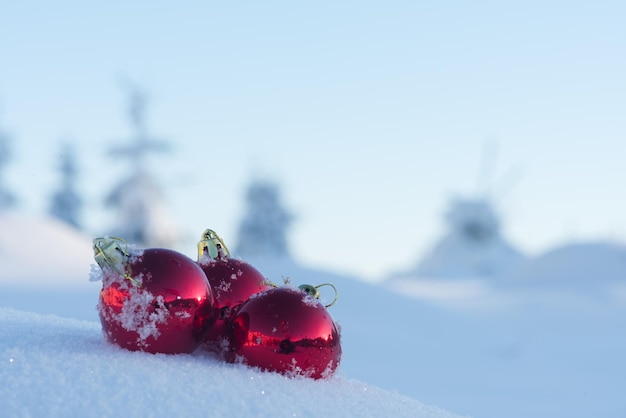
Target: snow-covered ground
{"points": [[59, 367], [486, 348]]}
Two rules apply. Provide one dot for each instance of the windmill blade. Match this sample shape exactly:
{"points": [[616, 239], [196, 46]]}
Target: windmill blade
{"points": [[487, 169], [511, 178]]}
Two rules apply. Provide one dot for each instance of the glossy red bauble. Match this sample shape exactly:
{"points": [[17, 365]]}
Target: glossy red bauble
{"points": [[154, 300], [288, 331], [233, 282]]}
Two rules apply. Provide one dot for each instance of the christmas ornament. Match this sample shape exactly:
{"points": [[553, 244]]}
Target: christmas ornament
{"points": [[233, 281], [287, 330], [154, 300]]}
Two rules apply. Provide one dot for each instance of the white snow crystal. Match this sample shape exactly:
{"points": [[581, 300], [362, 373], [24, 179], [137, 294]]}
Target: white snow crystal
{"points": [[141, 312], [182, 314], [296, 371], [224, 286], [205, 260], [329, 370], [95, 275], [309, 300]]}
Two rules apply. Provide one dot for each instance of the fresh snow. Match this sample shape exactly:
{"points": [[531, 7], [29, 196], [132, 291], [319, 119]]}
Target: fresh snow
{"points": [[489, 348], [59, 367]]}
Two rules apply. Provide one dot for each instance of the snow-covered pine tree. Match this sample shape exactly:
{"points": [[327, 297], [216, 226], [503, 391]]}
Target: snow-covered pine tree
{"points": [[141, 216], [263, 229], [7, 198], [66, 202]]}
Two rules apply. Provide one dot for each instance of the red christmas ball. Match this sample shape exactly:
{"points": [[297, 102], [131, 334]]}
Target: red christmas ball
{"points": [[288, 331], [154, 300], [233, 282]]}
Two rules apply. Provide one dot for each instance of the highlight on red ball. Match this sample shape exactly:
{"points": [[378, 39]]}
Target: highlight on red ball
{"points": [[154, 300], [286, 330], [233, 282]]}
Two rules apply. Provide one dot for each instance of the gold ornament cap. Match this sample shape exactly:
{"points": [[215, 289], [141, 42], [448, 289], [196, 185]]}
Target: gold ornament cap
{"points": [[110, 252], [212, 246]]}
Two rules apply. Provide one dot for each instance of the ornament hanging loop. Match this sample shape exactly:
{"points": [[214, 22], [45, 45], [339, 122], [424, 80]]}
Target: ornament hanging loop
{"points": [[212, 246], [314, 291]]}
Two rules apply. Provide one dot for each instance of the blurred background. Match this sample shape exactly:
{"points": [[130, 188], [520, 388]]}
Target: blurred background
{"points": [[455, 169], [367, 116]]}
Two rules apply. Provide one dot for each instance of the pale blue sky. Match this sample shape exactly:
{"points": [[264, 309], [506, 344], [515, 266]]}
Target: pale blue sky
{"points": [[370, 114]]}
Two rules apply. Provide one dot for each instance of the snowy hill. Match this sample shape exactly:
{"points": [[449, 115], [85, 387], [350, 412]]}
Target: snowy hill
{"points": [[465, 346], [31, 245], [580, 264]]}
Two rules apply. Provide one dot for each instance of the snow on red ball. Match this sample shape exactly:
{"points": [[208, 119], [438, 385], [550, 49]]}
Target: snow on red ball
{"points": [[287, 331], [233, 282], [154, 300]]}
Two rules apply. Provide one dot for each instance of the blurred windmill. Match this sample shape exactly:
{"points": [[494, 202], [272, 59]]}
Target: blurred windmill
{"points": [[141, 214], [474, 245]]}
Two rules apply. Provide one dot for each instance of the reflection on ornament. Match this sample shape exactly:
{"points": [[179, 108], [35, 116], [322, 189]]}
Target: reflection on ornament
{"points": [[154, 300], [286, 330], [233, 282]]}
